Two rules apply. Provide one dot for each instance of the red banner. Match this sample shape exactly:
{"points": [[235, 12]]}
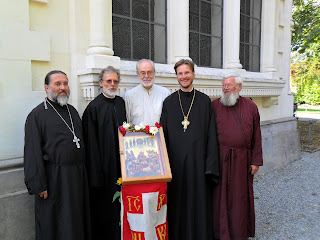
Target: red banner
{"points": [[144, 211]]}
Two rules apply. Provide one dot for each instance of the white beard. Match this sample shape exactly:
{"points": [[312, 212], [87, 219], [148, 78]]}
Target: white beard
{"points": [[108, 92], [62, 100], [146, 85], [229, 101]]}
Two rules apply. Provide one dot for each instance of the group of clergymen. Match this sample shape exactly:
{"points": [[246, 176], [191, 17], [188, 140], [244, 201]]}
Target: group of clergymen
{"points": [[214, 148]]}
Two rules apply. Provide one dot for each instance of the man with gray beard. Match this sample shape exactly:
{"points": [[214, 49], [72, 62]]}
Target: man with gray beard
{"points": [[101, 120], [144, 102], [239, 137], [54, 165]]}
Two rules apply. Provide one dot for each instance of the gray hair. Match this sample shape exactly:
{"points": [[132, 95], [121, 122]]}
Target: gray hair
{"points": [[142, 60], [109, 69], [236, 76]]}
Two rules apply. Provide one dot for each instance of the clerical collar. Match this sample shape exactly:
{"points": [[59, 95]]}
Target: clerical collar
{"points": [[108, 96], [52, 102], [187, 91]]}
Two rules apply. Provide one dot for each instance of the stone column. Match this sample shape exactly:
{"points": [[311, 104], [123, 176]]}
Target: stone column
{"points": [[178, 26], [231, 37], [100, 53]]}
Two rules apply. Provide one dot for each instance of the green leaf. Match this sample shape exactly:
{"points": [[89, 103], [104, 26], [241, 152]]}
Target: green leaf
{"points": [[116, 195]]}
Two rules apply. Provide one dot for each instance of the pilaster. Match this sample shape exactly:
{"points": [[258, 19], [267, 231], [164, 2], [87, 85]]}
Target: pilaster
{"points": [[178, 28], [231, 35], [268, 36]]}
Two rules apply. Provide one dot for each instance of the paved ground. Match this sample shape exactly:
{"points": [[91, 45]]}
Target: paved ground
{"points": [[288, 201], [307, 116]]}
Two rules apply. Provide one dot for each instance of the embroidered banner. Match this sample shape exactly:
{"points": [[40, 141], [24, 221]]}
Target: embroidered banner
{"points": [[144, 211]]}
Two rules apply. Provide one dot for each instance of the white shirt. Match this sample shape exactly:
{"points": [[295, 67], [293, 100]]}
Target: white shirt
{"points": [[145, 106]]}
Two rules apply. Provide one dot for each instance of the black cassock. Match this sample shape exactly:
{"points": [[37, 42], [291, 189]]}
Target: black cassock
{"points": [[52, 162], [100, 124], [194, 163]]}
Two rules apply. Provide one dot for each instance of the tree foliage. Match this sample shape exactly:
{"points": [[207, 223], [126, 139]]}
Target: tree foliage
{"points": [[306, 31], [306, 46]]}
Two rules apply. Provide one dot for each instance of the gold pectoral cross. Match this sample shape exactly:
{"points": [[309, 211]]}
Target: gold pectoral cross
{"points": [[185, 123]]}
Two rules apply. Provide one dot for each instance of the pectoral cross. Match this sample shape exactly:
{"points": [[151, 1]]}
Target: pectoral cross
{"points": [[185, 123], [76, 141]]}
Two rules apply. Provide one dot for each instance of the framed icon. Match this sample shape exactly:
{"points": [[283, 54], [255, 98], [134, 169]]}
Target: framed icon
{"points": [[144, 158]]}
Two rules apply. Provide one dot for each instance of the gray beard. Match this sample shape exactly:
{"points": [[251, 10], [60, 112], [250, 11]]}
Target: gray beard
{"points": [[108, 92], [229, 101], [56, 98]]}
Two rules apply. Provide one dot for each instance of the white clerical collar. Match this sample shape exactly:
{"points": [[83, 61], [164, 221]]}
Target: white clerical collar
{"points": [[108, 96], [186, 91]]}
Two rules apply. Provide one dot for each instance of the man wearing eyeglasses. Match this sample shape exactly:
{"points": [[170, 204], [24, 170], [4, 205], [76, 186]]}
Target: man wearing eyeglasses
{"points": [[101, 120], [239, 137], [144, 102]]}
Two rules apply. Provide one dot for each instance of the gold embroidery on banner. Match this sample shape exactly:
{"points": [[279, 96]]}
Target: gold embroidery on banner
{"points": [[136, 199]]}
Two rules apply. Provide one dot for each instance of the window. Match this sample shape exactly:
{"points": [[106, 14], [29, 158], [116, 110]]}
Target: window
{"points": [[139, 29], [205, 32], [250, 34]]}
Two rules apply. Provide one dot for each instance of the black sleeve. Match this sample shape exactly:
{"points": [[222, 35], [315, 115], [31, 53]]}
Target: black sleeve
{"points": [[93, 159], [212, 161], [34, 172]]}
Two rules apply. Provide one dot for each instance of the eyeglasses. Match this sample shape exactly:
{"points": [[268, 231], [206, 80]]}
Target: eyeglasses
{"points": [[143, 74], [227, 86], [116, 82]]}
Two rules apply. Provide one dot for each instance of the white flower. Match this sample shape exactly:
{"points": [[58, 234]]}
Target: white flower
{"points": [[153, 130], [142, 126], [125, 125], [137, 127]]}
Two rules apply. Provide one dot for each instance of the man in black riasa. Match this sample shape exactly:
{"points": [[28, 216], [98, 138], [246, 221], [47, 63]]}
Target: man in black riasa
{"points": [[189, 127], [101, 120], [54, 165]]}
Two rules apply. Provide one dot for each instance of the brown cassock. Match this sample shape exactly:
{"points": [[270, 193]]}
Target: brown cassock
{"points": [[239, 138]]}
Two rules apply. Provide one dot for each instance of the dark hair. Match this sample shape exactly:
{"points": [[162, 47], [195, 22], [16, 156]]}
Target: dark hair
{"points": [[109, 69], [47, 78], [184, 61]]}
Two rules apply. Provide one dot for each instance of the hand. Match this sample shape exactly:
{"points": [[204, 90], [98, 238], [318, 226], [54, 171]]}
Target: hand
{"points": [[44, 194], [254, 169]]}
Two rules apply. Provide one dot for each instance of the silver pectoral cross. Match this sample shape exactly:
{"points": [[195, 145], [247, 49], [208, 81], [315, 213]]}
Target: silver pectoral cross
{"points": [[76, 141], [185, 123]]}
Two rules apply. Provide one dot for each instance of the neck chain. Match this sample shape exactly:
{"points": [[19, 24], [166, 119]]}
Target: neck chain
{"points": [[75, 139], [185, 123]]}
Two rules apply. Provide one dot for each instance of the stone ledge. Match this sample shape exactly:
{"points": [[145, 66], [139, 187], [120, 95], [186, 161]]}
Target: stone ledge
{"points": [[207, 80], [11, 163], [279, 120]]}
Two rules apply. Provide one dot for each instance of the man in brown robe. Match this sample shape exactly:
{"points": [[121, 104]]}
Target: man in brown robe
{"points": [[239, 137]]}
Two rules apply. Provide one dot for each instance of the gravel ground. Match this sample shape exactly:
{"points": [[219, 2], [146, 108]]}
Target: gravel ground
{"points": [[287, 200]]}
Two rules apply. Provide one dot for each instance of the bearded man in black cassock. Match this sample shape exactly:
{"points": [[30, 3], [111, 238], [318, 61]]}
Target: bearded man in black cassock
{"points": [[54, 165], [101, 120], [189, 127]]}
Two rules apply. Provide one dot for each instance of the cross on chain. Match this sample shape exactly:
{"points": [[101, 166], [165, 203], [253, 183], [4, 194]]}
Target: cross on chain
{"points": [[76, 141], [185, 123]]}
